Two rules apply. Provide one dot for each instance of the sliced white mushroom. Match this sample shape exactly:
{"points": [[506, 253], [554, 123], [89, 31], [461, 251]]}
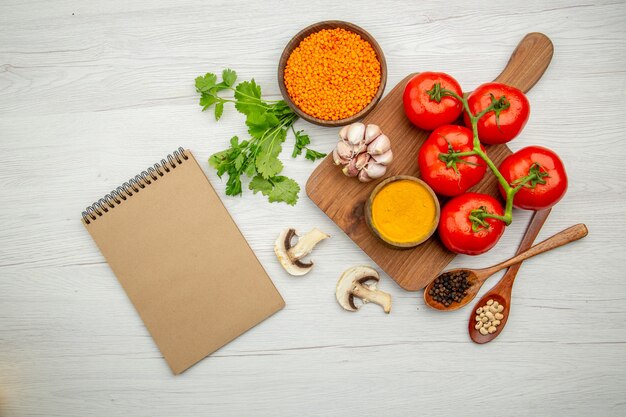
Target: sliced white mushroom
{"points": [[306, 243], [290, 256], [361, 282]]}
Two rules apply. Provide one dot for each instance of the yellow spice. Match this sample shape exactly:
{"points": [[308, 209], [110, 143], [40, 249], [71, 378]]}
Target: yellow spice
{"points": [[403, 211]]}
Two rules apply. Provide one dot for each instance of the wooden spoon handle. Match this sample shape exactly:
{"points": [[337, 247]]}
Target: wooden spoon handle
{"points": [[528, 62], [564, 237], [535, 225]]}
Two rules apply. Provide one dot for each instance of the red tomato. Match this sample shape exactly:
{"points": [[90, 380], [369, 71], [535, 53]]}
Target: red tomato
{"points": [[427, 113], [499, 126], [456, 228], [442, 176], [550, 182]]}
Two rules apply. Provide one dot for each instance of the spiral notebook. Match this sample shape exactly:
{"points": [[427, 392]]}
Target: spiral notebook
{"points": [[181, 259]]}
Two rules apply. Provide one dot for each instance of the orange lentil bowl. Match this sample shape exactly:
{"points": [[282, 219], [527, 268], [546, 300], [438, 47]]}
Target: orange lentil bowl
{"points": [[332, 73]]}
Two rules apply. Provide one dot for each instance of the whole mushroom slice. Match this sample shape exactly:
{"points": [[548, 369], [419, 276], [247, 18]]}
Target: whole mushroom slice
{"points": [[360, 282], [290, 256]]}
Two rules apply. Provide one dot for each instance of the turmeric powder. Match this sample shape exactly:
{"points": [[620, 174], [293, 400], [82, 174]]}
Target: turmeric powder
{"points": [[404, 211], [332, 74]]}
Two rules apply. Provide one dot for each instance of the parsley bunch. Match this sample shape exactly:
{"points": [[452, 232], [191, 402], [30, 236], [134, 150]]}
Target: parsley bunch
{"points": [[257, 157]]}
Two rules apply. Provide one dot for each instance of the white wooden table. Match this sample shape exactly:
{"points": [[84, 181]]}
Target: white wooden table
{"points": [[92, 93]]}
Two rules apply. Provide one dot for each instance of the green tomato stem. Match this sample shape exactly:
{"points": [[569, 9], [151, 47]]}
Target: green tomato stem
{"points": [[510, 192], [461, 154]]}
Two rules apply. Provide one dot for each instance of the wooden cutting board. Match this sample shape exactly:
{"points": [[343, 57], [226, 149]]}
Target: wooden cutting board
{"points": [[343, 198]]}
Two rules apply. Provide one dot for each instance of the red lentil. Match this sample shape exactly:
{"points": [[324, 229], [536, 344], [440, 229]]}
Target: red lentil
{"points": [[333, 74]]}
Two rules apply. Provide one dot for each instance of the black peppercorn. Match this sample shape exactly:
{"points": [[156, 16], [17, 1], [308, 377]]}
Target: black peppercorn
{"points": [[450, 287]]}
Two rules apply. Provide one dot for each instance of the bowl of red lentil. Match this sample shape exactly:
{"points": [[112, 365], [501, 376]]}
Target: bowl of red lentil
{"points": [[332, 73]]}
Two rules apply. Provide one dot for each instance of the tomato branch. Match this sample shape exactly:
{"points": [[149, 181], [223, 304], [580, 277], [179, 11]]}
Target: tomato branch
{"points": [[497, 105]]}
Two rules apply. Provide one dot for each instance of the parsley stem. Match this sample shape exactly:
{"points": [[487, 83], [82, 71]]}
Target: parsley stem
{"points": [[252, 97], [226, 100]]}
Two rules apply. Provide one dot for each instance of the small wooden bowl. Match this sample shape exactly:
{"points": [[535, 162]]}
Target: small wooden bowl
{"points": [[368, 211], [316, 27]]}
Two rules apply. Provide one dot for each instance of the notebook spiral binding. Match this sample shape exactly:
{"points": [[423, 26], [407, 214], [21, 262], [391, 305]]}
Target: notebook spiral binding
{"points": [[134, 185]]}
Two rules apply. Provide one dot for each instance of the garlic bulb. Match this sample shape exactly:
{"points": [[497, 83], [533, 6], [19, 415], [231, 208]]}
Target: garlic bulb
{"points": [[363, 152]]}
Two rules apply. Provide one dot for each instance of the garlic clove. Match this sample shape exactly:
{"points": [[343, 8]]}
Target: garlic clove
{"points": [[363, 177], [343, 133], [356, 132], [374, 170], [338, 159], [344, 150], [362, 160], [371, 133], [350, 170], [379, 146], [358, 148], [385, 158]]}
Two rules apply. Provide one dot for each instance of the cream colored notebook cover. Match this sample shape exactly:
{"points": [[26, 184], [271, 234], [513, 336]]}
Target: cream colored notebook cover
{"points": [[182, 260]]}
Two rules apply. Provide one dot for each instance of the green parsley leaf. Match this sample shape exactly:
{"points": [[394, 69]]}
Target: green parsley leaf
{"points": [[267, 162], [229, 76], [285, 190], [268, 165], [217, 159], [219, 109], [206, 83], [207, 101], [281, 108], [233, 185], [249, 168], [302, 140], [312, 155], [260, 184], [248, 96], [260, 123], [257, 157], [239, 160], [219, 87]]}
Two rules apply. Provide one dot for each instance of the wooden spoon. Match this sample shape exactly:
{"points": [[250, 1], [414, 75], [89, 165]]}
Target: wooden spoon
{"points": [[501, 292], [478, 276]]}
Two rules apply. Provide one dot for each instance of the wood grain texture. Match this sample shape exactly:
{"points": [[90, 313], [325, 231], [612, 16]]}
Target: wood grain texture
{"points": [[90, 92], [343, 198], [564, 237]]}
